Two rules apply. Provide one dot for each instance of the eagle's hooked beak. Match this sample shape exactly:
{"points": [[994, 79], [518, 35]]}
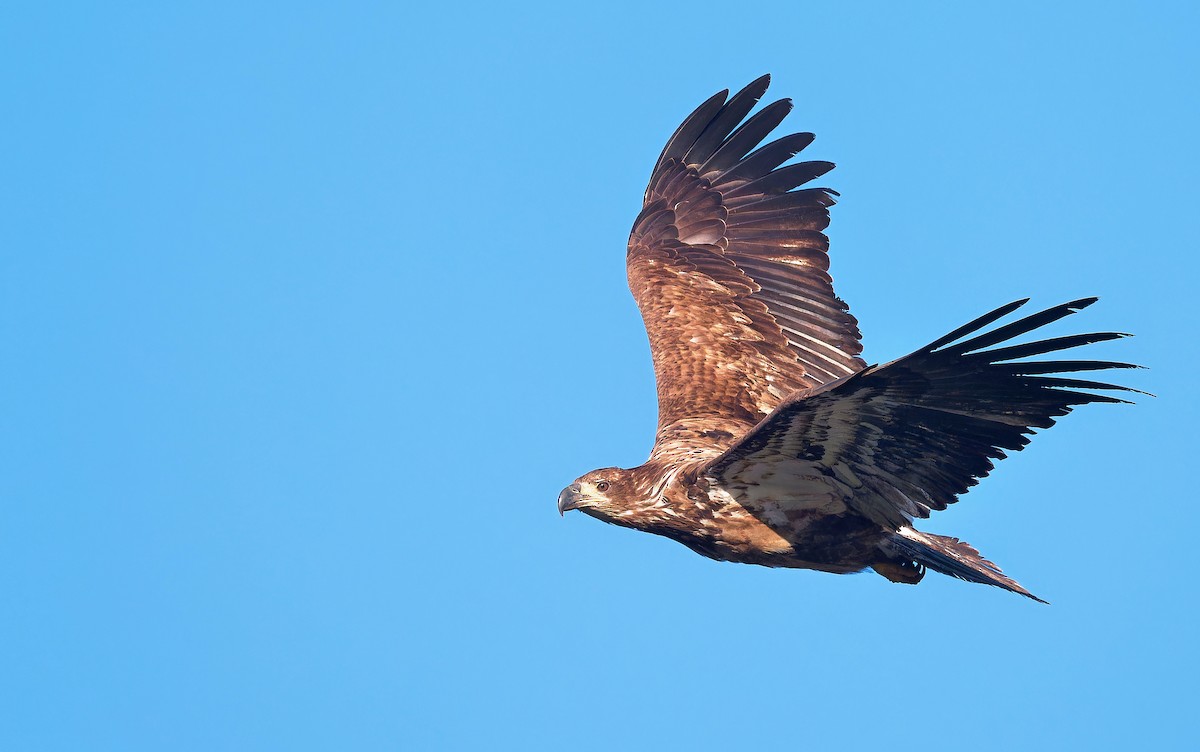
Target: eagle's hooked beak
{"points": [[569, 498]]}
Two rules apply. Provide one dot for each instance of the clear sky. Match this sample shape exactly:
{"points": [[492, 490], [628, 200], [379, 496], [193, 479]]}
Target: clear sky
{"points": [[307, 314]]}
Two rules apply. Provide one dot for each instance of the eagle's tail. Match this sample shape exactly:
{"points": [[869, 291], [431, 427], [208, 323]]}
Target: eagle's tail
{"points": [[947, 555]]}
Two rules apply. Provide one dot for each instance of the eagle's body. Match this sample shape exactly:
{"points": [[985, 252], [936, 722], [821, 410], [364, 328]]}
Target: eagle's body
{"points": [[777, 445]]}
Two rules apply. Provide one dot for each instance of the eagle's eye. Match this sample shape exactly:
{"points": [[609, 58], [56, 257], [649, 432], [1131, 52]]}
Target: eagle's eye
{"points": [[602, 486]]}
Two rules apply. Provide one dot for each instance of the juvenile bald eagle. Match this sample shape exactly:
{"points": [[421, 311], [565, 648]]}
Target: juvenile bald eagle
{"points": [[777, 445]]}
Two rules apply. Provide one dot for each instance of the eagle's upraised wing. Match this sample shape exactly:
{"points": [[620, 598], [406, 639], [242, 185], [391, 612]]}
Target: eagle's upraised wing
{"points": [[896, 441], [728, 265]]}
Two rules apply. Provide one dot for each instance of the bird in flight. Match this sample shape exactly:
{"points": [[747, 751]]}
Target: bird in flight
{"points": [[777, 444]]}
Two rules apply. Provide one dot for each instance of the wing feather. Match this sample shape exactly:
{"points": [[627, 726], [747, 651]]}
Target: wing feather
{"points": [[732, 114], [729, 266], [904, 439], [746, 137]]}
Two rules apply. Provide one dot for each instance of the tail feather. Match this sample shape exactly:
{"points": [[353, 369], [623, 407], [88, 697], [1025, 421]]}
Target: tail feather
{"points": [[952, 557]]}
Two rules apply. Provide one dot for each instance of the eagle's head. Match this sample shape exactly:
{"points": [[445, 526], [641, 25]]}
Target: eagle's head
{"points": [[603, 493]]}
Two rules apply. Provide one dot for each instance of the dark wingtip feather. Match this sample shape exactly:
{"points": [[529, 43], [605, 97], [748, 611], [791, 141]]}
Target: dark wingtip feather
{"points": [[1033, 367], [747, 136], [691, 127], [782, 180], [1059, 381], [976, 325], [763, 82], [1045, 346], [979, 354], [725, 121], [767, 158], [1024, 325]]}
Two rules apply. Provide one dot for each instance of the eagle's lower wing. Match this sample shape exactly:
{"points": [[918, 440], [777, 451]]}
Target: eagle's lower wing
{"points": [[894, 442], [728, 265]]}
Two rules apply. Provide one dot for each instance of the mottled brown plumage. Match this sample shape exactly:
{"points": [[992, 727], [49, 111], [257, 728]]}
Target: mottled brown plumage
{"points": [[777, 445]]}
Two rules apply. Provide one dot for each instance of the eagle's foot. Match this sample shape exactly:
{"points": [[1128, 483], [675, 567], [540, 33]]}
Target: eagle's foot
{"points": [[908, 572]]}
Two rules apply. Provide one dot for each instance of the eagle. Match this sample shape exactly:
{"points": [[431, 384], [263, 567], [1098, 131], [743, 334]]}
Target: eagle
{"points": [[777, 444]]}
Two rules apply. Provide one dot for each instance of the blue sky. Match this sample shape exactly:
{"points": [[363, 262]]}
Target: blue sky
{"points": [[308, 312]]}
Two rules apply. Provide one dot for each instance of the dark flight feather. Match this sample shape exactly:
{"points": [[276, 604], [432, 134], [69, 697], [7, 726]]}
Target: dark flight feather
{"points": [[936, 418]]}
